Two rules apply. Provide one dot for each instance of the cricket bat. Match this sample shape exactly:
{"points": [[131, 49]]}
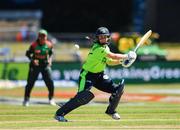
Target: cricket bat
{"points": [[129, 62], [143, 40]]}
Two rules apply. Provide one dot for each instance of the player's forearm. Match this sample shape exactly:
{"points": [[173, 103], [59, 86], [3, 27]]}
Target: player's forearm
{"points": [[50, 59], [117, 56], [114, 62]]}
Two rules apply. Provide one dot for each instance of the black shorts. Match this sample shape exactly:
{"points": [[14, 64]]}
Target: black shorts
{"points": [[99, 80]]}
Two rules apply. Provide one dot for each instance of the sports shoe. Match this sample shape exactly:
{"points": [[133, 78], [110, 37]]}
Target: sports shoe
{"points": [[52, 102], [26, 103], [60, 118], [115, 116]]}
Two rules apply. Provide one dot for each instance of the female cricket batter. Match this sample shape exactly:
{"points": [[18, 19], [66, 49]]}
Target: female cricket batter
{"points": [[40, 56], [92, 74]]}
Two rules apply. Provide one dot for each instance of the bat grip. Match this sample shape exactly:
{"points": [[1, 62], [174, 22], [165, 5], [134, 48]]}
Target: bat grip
{"points": [[126, 62], [135, 49]]}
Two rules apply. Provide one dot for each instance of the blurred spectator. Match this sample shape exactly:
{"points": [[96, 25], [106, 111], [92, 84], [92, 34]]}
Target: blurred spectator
{"points": [[125, 44], [115, 36], [23, 33]]}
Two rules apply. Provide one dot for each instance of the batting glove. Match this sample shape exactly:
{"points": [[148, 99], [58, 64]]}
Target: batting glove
{"points": [[130, 60]]}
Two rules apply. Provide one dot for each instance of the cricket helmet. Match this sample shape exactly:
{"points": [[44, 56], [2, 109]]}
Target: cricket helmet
{"points": [[102, 31]]}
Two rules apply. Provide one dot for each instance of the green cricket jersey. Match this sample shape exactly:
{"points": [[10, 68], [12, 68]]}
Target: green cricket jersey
{"points": [[97, 58]]}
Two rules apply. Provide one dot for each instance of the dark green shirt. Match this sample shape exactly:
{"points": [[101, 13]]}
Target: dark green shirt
{"points": [[40, 52]]}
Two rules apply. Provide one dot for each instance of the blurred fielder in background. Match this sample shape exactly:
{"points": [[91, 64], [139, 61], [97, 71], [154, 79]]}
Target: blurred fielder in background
{"points": [[40, 56], [92, 74]]}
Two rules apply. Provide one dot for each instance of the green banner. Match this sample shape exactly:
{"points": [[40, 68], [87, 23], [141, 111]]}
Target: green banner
{"points": [[140, 72], [148, 72], [66, 70], [14, 71]]}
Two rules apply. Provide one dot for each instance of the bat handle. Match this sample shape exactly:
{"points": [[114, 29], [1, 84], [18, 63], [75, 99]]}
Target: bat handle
{"points": [[135, 49], [126, 62]]}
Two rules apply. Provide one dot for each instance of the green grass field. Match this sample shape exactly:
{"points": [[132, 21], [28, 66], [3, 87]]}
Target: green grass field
{"points": [[134, 116], [139, 115]]}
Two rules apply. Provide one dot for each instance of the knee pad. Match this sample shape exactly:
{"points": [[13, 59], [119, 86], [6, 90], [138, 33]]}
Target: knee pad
{"points": [[84, 97], [115, 98], [120, 88]]}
